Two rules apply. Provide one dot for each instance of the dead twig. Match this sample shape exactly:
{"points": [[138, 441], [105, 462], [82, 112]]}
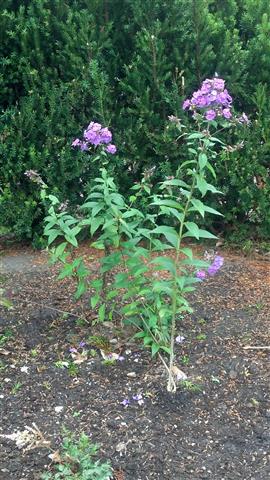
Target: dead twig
{"points": [[250, 347], [58, 310]]}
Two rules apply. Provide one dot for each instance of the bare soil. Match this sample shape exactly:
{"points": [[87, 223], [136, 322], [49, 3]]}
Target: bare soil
{"points": [[217, 430]]}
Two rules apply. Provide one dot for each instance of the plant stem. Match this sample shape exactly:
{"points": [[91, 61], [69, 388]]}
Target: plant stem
{"points": [[171, 387]]}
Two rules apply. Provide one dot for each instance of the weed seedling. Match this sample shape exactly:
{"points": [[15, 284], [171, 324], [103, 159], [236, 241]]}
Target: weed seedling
{"points": [[61, 364], [202, 321], [2, 366], [73, 369], [47, 385], [185, 359], [16, 387], [80, 322], [108, 362], [190, 386], [77, 461], [5, 336], [76, 414], [201, 336]]}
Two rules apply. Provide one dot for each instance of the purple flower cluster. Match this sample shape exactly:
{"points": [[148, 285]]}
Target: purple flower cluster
{"points": [[213, 100], [137, 398], [212, 270], [75, 350], [95, 135]]}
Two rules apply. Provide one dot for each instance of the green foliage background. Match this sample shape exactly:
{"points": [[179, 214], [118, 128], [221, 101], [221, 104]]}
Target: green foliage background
{"points": [[128, 64]]}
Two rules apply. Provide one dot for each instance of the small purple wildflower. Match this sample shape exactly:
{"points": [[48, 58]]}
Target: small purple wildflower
{"points": [[73, 350], [111, 149], [105, 135], [84, 146], [121, 358], [226, 112], [82, 344], [201, 274], [179, 339], [210, 115], [138, 398], [76, 143], [125, 402], [215, 266], [186, 104], [244, 119]]}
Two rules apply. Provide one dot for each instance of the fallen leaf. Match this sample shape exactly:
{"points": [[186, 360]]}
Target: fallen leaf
{"points": [[55, 457], [3, 351], [178, 374]]}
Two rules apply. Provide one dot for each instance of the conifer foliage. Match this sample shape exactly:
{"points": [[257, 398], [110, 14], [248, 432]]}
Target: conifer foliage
{"points": [[128, 64]]}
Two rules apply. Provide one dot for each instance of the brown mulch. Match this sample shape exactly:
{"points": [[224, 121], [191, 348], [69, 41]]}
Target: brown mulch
{"points": [[218, 429]]}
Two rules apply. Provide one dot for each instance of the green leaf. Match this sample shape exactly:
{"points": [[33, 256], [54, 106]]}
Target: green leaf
{"points": [[202, 185], [195, 135], [52, 235], [167, 203], [132, 213], [174, 182], [154, 349], [212, 210], [202, 160], [139, 335], [70, 239], [94, 300], [198, 206], [193, 230], [211, 169], [206, 234], [187, 251], [166, 349], [164, 263], [170, 234], [96, 222], [67, 271], [101, 312], [81, 289]]}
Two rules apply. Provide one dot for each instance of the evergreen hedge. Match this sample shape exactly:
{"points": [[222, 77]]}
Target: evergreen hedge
{"points": [[128, 64]]}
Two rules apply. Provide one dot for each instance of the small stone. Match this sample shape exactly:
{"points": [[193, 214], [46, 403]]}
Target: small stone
{"points": [[131, 374], [58, 409]]}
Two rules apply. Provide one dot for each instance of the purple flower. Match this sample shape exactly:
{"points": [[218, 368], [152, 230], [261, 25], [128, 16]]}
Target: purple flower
{"points": [[226, 112], [105, 136], [121, 358], [218, 260], [76, 143], [125, 402], [111, 149], [201, 274], [73, 350], [206, 86], [212, 94], [210, 115], [215, 266], [138, 398], [244, 119], [186, 104], [179, 339], [95, 135], [218, 83], [82, 344], [84, 146]]}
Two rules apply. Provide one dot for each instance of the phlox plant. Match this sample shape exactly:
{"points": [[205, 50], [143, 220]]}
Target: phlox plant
{"points": [[149, 291]]}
